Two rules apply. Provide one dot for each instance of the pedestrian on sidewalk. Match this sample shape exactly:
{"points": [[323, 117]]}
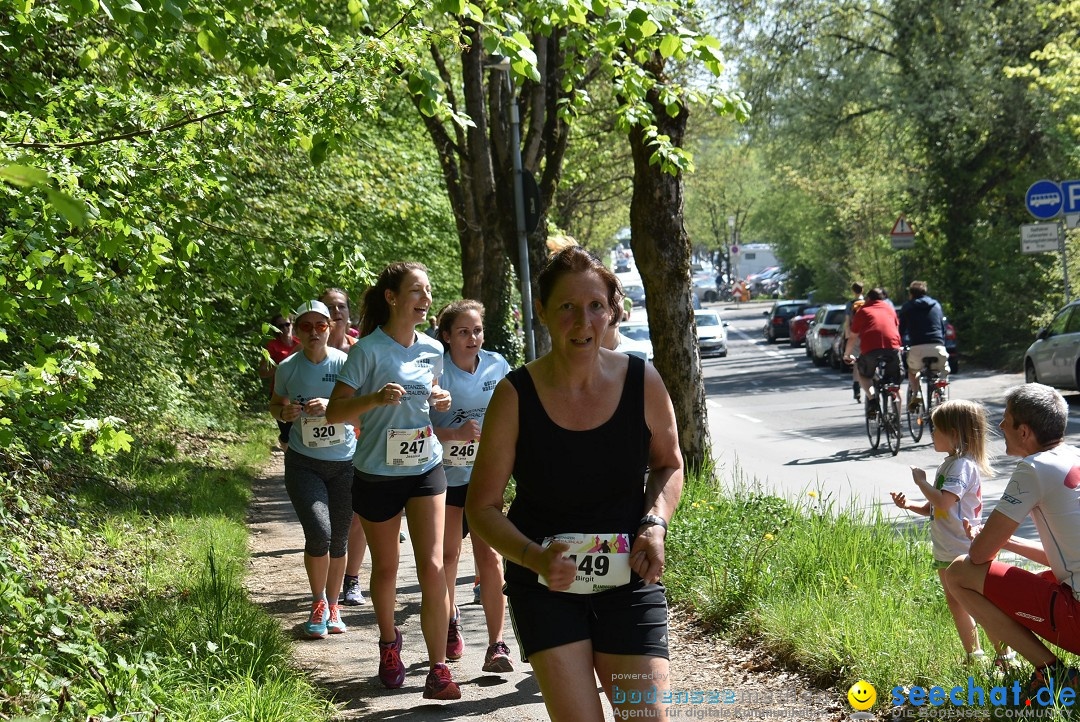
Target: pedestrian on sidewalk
{"points": [[470, 374], [318, 468], [391, 380], [578, 428]]}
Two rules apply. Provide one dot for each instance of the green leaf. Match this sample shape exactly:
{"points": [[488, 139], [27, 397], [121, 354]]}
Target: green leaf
{"points": [[354, 7], [649, 28], [72, 209], [669, 45], [318, 150], [454, 7], [24, 176], [211, 43]]}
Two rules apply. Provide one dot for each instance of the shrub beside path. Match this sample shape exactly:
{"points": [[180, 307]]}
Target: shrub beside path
{"points": [[346, 665]]}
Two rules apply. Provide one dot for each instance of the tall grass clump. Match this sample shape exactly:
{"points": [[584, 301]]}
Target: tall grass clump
{"points": [[839, 592], [121, 587]]}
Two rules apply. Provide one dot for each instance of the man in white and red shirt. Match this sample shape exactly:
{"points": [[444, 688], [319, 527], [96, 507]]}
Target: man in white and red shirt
{"points": [[1012, 604]]}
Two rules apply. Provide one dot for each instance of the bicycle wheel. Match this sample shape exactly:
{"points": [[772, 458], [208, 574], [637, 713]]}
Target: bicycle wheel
{"points": [[890, 420], [873, 425], [915, 412]]}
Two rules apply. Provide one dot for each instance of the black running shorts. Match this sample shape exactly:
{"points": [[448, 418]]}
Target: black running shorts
{"points": [[628, 620], [381, 498]]}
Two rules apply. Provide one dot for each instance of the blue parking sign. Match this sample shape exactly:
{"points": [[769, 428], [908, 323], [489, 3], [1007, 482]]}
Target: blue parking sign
{"points": [[1070, 189], [1044, 199]]}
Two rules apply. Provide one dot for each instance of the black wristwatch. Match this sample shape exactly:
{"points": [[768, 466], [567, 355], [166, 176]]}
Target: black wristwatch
{"points": [[653, 519]]}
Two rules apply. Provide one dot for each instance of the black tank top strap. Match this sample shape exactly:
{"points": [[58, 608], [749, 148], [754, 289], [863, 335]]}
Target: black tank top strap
{"points": [[633, 395], [528, 397]]}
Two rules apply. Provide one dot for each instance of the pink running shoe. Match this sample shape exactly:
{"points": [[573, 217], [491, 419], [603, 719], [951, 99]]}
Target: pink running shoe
{"points": [[455, 645], [391, 669], [439, 684], [497, 658]]}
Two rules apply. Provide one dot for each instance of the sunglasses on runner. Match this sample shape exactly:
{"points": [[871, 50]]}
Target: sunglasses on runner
{"points": [[308, 326]]}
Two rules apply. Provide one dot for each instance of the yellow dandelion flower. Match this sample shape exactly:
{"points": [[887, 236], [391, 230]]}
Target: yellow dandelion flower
{"points": [[769, 537], [812, 493]]}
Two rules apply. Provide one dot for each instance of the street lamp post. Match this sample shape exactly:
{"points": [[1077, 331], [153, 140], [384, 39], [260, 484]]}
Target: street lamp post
{"points": [[731, 256], [502, 64]]}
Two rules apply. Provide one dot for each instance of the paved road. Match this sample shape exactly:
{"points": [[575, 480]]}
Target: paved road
{"points": [[781, 422]]}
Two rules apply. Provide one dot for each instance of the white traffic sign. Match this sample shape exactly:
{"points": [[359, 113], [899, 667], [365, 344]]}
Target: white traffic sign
{"points": [[1072, 220], [902, 235], [1038, 237]]}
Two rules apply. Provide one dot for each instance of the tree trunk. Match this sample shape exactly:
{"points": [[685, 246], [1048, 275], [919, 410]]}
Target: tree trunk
{"points": [[662, 250], [478, 171]]}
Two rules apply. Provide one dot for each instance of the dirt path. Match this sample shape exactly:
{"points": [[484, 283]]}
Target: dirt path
{"points": [[346, 665]]}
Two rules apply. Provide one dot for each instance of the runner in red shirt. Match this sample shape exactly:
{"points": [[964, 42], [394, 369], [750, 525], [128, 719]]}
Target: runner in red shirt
{"points": [[283, 345]]}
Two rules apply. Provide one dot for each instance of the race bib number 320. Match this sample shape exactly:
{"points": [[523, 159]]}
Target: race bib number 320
{"points": [[603, 561], [409, 447], [318, 434]]}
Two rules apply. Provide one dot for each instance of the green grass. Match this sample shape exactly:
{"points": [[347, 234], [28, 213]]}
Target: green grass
{"points": [[840, 594], [121, 592]]}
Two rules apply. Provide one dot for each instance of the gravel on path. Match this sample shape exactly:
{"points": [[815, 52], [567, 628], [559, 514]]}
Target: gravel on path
{"points": [[346, 665]]}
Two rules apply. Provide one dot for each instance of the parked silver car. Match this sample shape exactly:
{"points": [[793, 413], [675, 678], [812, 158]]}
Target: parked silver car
{"points": [[822, 333], [704, 288], [1054, 358]]}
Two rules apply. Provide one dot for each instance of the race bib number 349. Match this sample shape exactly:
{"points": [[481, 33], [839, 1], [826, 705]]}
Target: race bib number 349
{"points": [[603, 561], [409, 447]]}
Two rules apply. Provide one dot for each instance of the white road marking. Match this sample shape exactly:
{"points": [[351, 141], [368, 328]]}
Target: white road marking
{"points": [[751, 419], [803, 435], [713, 403]]}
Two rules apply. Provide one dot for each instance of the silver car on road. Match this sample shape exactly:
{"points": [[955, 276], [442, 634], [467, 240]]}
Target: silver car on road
{"points": [[1054, 358]]}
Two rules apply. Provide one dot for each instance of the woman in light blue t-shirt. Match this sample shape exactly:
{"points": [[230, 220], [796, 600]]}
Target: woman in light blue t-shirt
{"points": [[317, 462], [391, 381], [470, 374]]}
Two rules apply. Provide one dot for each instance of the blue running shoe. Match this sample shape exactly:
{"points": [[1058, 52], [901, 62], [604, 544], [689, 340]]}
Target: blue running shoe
{"points": [[315, 627]]}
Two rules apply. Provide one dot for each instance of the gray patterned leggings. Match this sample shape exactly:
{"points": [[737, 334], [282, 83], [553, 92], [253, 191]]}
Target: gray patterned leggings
{"points": [[321, 494]]}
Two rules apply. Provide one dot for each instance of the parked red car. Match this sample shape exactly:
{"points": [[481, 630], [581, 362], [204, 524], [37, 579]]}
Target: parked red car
{"points": [[799, 325]]}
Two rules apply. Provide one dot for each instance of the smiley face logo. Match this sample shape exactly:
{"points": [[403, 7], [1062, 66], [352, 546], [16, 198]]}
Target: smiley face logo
{"points": [[862, 695]]}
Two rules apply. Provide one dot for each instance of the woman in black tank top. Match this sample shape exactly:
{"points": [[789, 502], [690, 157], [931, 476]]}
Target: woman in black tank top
{"points": [[583, 540]]}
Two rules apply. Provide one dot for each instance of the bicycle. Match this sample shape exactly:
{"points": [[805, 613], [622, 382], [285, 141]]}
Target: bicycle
{"points": [[920, 403], [884, 412]]}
